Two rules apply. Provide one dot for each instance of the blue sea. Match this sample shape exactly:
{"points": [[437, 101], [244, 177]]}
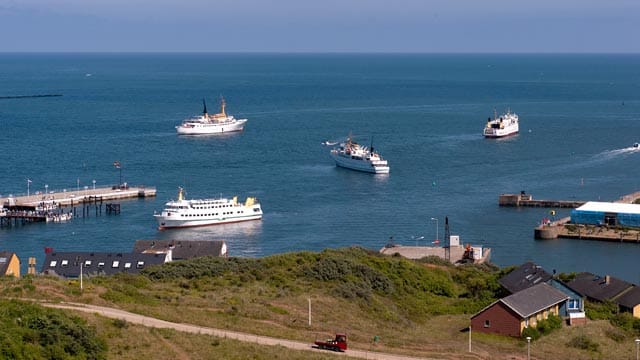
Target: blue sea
{"points": [[579, 114]]}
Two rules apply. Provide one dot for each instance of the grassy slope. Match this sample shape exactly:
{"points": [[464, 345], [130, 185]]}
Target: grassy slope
{"points": [[414, 308]]}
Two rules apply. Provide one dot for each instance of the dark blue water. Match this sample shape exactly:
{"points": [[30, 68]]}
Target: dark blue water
{"points": [[425, 112]]}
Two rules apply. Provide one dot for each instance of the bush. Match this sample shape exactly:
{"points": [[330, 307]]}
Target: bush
{"points": [[566, 277], [616, 335], [584, 343], [531, 332], [601, 311], [46, 334], [551, 323], [623, 321]]}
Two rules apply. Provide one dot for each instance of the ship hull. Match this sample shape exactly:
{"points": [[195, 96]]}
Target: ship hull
{"points": [[165, 223], [501, 133], [205, 129], [360, 165]]}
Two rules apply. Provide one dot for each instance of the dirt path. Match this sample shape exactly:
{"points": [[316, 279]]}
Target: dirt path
{"points": [[263, 340]]}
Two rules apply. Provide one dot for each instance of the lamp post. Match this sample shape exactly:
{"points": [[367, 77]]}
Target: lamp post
{"points": [[79, 261], [28, 184], [94, 184], [436, 220], [637, 353], [469, 338], [528, 347], [117, 165]]}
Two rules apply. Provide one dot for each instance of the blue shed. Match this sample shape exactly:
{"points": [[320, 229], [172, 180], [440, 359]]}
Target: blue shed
{"points": [[607, 213]]}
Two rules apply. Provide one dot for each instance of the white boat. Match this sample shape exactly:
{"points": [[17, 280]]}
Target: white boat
{"points": [[352, 155], [505, 125], [189, 213], [211, 124]]}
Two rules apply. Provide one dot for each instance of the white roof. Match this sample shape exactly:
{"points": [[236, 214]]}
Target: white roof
{"points": [[610, 207]]}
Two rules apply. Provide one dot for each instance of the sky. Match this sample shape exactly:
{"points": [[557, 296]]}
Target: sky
{"points": [[404, 26]]}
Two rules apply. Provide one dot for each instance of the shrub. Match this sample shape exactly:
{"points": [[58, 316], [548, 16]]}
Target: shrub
{"points": [[566, 277], [546, 326], [583, 342], [531, 332], [46, 334], [616, 335], [624, 321], [601, 311], [120, 323]]}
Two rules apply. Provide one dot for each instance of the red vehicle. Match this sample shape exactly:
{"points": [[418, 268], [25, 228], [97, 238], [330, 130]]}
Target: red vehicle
{"points": [[337, 344]]}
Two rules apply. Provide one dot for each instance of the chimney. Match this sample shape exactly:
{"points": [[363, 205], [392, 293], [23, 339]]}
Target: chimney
{"points": [[607, 279]]}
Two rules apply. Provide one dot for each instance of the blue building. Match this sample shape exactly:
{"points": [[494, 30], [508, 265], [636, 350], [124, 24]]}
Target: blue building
{"points": [[607, 213]]}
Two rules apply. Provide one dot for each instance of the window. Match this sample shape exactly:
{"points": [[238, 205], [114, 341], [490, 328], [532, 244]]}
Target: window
{"points": [[574, 304], [87, 263], [65, 262], [101, 264], [53, 263], [115, 264], [487, 323], [140, 264], [127, 265]]}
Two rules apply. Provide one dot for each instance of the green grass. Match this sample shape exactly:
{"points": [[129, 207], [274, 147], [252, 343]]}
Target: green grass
{"points": [[413, 307]]}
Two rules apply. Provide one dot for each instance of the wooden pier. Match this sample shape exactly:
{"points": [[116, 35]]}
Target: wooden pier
{"points": [[76, 197], [40, 207]]}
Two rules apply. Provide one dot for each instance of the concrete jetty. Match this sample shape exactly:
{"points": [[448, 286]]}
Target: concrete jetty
{"points": [[455, 254], [524, 199], [563, 228], [71, 197]]}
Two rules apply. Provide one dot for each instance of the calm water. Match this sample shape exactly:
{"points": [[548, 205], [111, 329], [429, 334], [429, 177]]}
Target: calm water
{"points": [[426, 112]]}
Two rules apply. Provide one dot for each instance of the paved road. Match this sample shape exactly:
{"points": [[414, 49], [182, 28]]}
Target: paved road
{"points": [[263, 340]]}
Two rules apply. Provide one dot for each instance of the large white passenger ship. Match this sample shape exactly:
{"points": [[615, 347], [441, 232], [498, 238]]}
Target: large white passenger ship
{"points": [[352, 155], [188, 213], [211, 124], [505, 125]]}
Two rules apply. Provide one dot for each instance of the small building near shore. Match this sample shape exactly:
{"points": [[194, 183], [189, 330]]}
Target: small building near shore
{"points": [[182, 249], [512, 314], [607, 213], [608, 288], [524, 276], [598, 288], [629, 301], [70, 264], [9, 264]]}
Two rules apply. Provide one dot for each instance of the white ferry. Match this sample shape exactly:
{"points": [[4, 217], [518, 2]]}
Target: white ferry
{"points": [[505, 125], [352, 155], [189, 213], [211, 124]]}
